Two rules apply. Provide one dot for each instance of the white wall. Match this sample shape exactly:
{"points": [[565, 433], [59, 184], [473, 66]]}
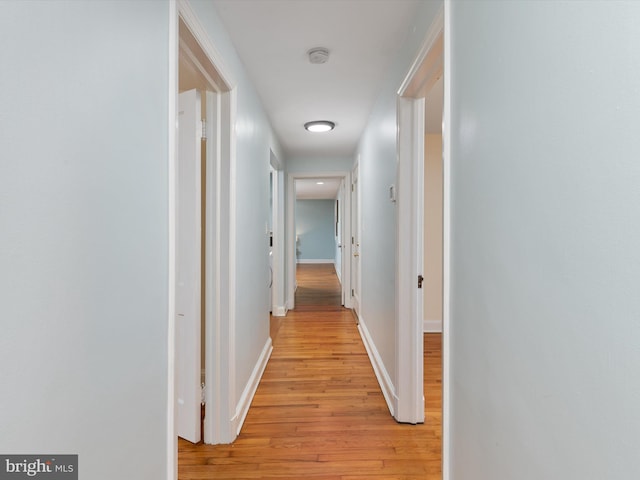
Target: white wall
{"points": [[377, 170], [545, 311], [84, 243], [255, 141]]}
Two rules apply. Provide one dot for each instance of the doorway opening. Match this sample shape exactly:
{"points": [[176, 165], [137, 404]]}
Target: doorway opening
{"points": [[419, 262], [319, 242], [318, 213], [201, 239], [423, 186]]}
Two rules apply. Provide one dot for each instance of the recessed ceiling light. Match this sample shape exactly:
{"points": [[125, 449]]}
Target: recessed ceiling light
{"points": [[319, 183], [319, 126]]}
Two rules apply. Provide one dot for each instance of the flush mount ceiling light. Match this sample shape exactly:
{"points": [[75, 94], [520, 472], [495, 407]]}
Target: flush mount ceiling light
{"points": [[318, 126]]}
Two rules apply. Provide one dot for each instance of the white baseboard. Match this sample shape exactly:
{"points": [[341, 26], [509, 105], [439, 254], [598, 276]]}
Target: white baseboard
{"points": [[249, 391], [388, 390], [337, 272], [279, 311], [317, 260], [432, 326]]}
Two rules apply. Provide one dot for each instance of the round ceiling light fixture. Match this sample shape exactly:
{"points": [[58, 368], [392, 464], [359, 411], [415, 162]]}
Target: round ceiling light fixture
{"points": [[318, 126]]}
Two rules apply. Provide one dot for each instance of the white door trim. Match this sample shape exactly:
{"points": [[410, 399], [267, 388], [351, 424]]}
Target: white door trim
{"points": [[291, 234], [423, 73], [220, 230], [409, 261]]}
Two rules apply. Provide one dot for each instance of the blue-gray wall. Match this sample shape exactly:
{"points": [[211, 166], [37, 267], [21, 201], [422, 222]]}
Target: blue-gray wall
{"points": [[316, 229], [545, 195], [84, 219], [84, 243], [377, 172]]}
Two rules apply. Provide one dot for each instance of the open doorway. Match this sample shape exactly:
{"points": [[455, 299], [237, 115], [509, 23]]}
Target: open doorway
{"points": [[317, 232], [421, 253], [433, 208], [202, 227], [318, 242]]}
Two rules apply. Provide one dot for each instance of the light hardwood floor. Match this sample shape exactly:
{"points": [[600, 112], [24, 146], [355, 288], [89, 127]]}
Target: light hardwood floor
{"points": [[319, 412]]}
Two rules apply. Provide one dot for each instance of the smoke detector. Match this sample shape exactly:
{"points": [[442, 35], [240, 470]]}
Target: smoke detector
{"points": [[318, 55]]}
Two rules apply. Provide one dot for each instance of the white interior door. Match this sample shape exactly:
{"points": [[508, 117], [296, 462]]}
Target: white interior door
{"points": [[355, 242], [188, 267]]}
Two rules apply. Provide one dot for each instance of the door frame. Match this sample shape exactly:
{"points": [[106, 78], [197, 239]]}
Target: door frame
{"points": [[291, 234], [220, 228], [423, 73]]}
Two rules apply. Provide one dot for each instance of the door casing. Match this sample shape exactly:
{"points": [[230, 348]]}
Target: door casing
{"points": [[425, 70], [187, 37], [291, 234], [433, 59]]}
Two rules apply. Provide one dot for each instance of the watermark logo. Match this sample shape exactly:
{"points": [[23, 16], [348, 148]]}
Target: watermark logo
{"points": [[50, 467]]}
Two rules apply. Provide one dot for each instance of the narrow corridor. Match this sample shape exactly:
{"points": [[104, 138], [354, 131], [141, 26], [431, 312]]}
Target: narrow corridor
{"points": [[319, 412]]}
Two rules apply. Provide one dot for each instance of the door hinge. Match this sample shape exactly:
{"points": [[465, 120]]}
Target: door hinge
{"points": [[204, 129], [420, 280], [203, 395], [352, 293]]}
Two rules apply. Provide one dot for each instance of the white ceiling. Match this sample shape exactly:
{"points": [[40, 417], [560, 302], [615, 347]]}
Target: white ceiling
{"points": [[272, 38], [310, 189]]}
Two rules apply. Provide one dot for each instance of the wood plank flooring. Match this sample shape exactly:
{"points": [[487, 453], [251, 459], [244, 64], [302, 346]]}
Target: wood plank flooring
{"points": [[319, 412], [318, 287]]}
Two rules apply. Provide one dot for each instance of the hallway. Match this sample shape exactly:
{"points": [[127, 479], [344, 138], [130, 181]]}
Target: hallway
{"points": [[318, 287], [319, 412]]}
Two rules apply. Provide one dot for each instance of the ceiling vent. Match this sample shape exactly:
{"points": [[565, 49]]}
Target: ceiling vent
{"points": [[318, 55]]}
